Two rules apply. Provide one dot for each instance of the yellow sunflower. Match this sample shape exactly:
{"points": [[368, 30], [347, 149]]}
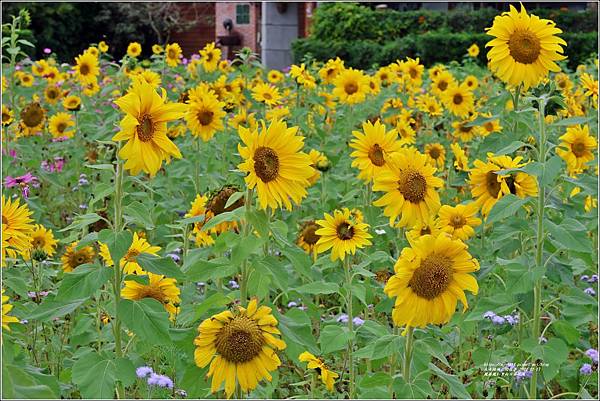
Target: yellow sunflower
{"points": [[42, 239], [442, 82], [129, 262], [374, 146], [134, 49], [59, 125], [275, 164], [317, 159], [86, 69], [458, 99], [563, 82], [157, 49], [460, 220], [577, 148], [524, 47], [7, 115], [145, 128], [205, 113], [410, 189], [102, 46], [327, 375], [151, 77], [243, 118], [265, 93], [413, 71], [210, 57], [473, 50], [430, 277], [173, 54], [74, 257], [308, 237], [489, 127], [40, 67], [52, 94], [26, 80], [72, 103], [16, 227], [461, 161], [240, 345], [6, 308], [590, 85], [216, 205], [471, 82], [275, 76], [406, 133], [436, 154], [198, 208], [351, 86], [463, 130], [331, 69], [159, 287], [33, 117], [429, 104], [429, 227], [342, 234]]}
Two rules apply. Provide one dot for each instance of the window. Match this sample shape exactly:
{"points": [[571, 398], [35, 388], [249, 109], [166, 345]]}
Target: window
{"points": [[242, 14]]}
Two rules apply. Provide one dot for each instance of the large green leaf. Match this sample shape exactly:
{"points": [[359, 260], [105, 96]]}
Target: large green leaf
{"points": [[317, 288], [118, 243], [334, 338], [506, 207], [147, 318], [158, 265], [95, 375], [138, 213], [23, 383], [82, 282], [456, 387], [51, 308]]}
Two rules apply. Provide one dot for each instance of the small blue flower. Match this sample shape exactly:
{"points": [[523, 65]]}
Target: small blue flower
{"points": [[175, 257], [523, 374], [498, 320], [590, 291], [343, 318], [584, 277], [542, 340], [143, 371], [357, 321], [292, 304], [593, 279], [586, 369], [234, 285], [489, 315], [593, 354]]}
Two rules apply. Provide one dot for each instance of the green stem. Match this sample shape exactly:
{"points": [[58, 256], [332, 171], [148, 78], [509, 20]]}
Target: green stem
{"points": [[408, 349], [118, 227], [537, 290], [351, 385], [197, 164], [245, 269], [313, 385]]}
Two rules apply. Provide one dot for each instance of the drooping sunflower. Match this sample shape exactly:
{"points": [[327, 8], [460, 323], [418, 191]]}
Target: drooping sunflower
{"points": [[524, 47], [460, 220], [308, 237], [205, 113], [74, 257], [317, 159], [210, 57], [461, 161], [16, 227], [430, 277], [458, 99], [59, 125], [374, 146], [42, 239], [267, 94], [7, 115], [436, 154], [159, 287], [342, 233], [145, 128], [86, 68], [173, 54], [72, 103], [351, 86], [410, 188], [6, 308], [487, 187], [576, 148], [275, 164], [240, 345], [327, 375], [134, 49], [52, 94], [33, 117]]}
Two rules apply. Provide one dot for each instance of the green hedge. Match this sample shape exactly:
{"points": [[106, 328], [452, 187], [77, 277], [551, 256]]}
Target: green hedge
{"points": [[430, 47], [350, 21]]}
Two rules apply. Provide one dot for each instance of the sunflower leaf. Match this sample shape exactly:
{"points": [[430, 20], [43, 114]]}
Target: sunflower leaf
{"points": [[147, 318]]}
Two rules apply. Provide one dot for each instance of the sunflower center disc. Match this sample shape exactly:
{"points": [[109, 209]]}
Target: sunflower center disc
{"points": [[463, 128], [413, 73], [52, 93], [457, 99], [442, 85], [432, 277], [345, 231], [38, 242], [240, 340], [84, 69], [578, 149], [524, 46], [217, 204], [457, 221], [309, 235], [489, 126], [205, 117], [492, 183], [61, 127], [412, 185], [145, 130], [266, 164], [434, 152], [171, 53], [267, 96], [78, 258], [376, 155], [33, 115], [351, 88]]}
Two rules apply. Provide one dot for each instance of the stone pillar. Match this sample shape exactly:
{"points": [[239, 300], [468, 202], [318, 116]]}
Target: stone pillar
{"points": [[279, 28]]}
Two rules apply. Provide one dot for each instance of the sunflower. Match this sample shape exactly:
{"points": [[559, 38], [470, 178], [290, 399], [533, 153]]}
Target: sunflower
{"points": [[563, 82], [524, 47], [129, 262], [198, 208], [275, 164], [473, 50], [52, 94], [6, 308], [210, 57], [576, 148], [413, 71], [385, 76], [410, 189], [173, 54], [26, 80], [327, 375], [159, 287], [150, 77], [205, 113], [374, 146], [102, 46], [134, 49], [429, 227], [436, 154], [442, 82], [487, 186], [239, 345], [331, 69], [458, 99], [307, 237], [216, 205], [489, 127], [317, 159], [40, 67], [471, 82], [59, 125], [351, 86], [91, 89], [86, 69], [72, 103], [275, 76], [590, 85], [463, 129], [268, 94], [243, 118], [7, 115], [461, 161], [157, 49], [32, 119], [52, 75], [277, 113], [430, 277], [460, 220], [429, 104], [74, 257], [16, 227], [590, 203], [42, 239], [145, 128], [341, 233]]}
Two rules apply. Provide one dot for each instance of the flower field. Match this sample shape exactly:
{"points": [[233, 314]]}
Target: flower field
{"points": [[204, 228]]}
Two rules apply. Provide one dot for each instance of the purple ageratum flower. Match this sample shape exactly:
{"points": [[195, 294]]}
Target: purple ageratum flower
{"points": [[357, 321], [24, 321], [143, 371], [47, 50], [590, 291], [153, 379], [60, 139], [489, 315], [233, 285], [175, 257], [510, 366], [165, 381], [586, 369], [498, 320], [593, 279], [343, 318], [511, 320], [584, 277], [292, 304], [523, 374], [593, 354], [184, 61]]}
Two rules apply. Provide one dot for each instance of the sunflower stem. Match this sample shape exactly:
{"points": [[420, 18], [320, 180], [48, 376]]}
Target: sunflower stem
{"points": [[351, 384], [246, 229], [537, 290], [408, 349], [313, 385], [197, 164]]}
